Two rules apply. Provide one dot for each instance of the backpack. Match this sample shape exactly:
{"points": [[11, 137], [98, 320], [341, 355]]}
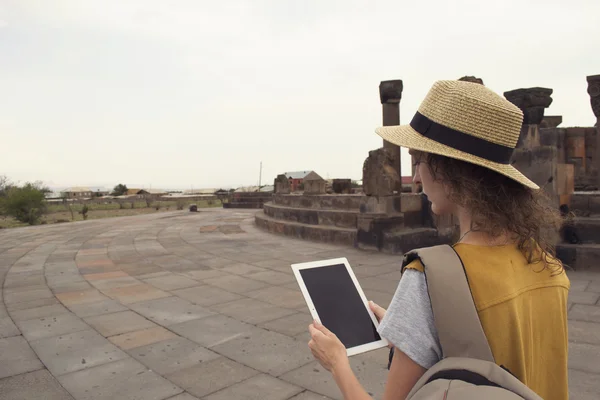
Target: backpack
{"points": [[467, 369]]}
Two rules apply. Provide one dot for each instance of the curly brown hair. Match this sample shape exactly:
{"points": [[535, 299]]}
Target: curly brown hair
{"points": [[500, 205]]}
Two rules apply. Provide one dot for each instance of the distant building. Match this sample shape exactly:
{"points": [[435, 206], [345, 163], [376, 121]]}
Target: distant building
{"points": [[296, 178], [76, 192], [145, 192], [202, 192]]}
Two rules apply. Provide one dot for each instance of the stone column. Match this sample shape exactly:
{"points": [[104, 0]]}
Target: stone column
{"points": [[594, 92], [537, 161], [390, 93]]}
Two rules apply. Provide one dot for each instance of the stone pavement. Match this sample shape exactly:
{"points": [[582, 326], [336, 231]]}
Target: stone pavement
{"points": [[192, 305]]}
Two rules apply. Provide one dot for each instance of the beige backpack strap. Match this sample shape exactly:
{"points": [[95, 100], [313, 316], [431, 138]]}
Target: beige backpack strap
{"points": [[456, 319]]}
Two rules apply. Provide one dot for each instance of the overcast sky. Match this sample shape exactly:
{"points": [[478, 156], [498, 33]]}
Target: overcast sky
{"points": [[180, 94]]}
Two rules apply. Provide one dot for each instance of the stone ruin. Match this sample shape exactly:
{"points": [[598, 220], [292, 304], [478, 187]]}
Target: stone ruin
{"points": [[314, 184], [282, 185], [564, 161]]}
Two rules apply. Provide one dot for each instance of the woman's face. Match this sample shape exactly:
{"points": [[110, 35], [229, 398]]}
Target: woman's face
{"points": [[435, 190]]}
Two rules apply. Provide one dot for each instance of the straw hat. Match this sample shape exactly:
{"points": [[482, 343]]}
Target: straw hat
{"points": [[465, 121]]}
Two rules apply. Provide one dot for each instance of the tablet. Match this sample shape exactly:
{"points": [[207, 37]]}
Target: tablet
{"points": [[336, 300]]}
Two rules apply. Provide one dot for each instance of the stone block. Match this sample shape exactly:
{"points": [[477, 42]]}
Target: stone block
{"points": [[169, 356], [123, 379], [75, 351], [242, 269], [140, 338], [216, 374], [411, 202], [206, 295], [266, 351], [583, 297], [37, 385], [16, 357], [584, 357], [172, 282], [259, 387], [118, 323], [183, 396], [212, 331], [45, 327], [342, 186], [31, 304], [236, 284], [112, 283], [202, 274], [307, 395], [170, 310], [380, 176], [252, 311]]}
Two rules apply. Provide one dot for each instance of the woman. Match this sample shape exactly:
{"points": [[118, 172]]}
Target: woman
{"points": [[461, 140]]}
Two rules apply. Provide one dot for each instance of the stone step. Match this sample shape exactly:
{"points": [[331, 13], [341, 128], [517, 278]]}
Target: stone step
{"points": [[311, 216], [583, 230], [585, 203], [404, 240], [580, 257], [241, 204], [322, 202], [323, 234]]}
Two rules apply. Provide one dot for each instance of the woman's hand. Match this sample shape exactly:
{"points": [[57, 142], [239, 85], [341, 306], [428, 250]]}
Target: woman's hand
{"points": [[377, 310], [327, 348]]}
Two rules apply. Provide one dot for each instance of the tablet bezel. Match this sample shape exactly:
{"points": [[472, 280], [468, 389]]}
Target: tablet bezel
{"points": [[326, 263]]}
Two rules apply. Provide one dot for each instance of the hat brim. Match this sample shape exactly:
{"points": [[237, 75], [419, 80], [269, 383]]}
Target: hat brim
{"points": [[406, 136]]}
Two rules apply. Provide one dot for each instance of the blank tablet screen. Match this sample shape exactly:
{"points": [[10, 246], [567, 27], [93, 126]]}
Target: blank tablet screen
{"points": [[339, 305]]}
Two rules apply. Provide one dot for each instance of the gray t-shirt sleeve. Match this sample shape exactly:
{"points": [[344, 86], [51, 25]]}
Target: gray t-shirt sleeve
{"points": [[408, 323]]}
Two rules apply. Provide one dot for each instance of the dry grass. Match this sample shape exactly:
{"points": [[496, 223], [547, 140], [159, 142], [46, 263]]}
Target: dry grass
{"points": [[58, 213]]}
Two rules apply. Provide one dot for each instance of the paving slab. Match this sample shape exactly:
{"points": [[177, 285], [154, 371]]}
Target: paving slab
{"points": [[107, 306], [583, 312], [26, 296], [273, 277], [584, 357], [290, 325], [124, 379], [143, 337], [113, 283], [212, 331], [183, 396], [265, 351], [172, 282], [280, 296], [259, 387], [37, 385], [583, 297], [81, 297], [236, 284], [118, 323], [39, 312], [16, 357], [583, 385], [136, 293], [241, 269], [70, 287], [308, 395], [8, 328], [252, 311], [31, 304], [75, 351], [584, 332], [202, 274], [206, 295], [39, 328], [169, 356], [170, 310], [216, 375]]}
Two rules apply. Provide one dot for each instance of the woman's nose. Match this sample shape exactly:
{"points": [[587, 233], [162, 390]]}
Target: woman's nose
{"points": [[417, 176]]}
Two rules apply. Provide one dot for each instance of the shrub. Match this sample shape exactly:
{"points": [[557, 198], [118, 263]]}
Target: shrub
{"points": [[26, 204]]}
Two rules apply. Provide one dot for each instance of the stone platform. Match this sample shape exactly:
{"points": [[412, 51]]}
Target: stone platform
{"points": [[182, 305]]}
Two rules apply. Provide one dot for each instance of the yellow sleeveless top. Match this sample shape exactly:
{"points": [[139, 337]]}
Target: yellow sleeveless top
{"points": [[523, 310]]}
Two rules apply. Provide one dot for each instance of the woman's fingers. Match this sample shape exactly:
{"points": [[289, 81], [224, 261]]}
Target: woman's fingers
{"points": [[377, 310]]}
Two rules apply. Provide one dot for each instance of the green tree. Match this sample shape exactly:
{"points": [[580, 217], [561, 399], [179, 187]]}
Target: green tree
{"points": [[26, 203], [119, 190]]}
